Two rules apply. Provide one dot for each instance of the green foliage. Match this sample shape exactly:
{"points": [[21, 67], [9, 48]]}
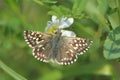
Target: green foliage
{"points": [[98, 20], [112, 44], [11, 72], [78, 7], [43, 2]]}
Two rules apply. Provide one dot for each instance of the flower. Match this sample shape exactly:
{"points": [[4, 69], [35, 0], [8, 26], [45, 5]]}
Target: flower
{"points": [[61, 23], [68, 33]]}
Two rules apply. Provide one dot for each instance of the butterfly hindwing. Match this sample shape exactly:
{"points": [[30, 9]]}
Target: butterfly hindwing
{"points": [[70, 47]]}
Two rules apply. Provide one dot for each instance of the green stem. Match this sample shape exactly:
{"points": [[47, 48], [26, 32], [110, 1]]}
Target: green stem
{"points": [[12, 73]]}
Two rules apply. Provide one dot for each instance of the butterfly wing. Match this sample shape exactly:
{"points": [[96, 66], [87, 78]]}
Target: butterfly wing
{"points": [[41, 44], [70, 47]]}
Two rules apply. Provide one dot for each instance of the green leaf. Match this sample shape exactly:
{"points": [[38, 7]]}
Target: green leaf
{"points": [[41, 2], [112, 4], [114, 20], [56, 10], [49, 1], [102, 6], [112, 45], [79, 6], [59, 11], [95, 14]]}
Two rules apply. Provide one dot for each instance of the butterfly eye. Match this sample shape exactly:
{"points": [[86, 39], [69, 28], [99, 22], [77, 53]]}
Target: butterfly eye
{"points": [[57, 32]]}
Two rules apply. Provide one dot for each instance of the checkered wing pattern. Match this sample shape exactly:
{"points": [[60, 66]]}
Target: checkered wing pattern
{"points": [[67, 47], [70, 47], [41, 44]]}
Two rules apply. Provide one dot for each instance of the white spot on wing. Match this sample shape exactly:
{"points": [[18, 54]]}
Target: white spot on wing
{"points": [[75, 48], [76, 45], [35, 56], [75, 40]]}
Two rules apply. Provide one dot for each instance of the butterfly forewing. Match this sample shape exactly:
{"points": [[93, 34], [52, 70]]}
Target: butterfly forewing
{"points": [[34, 38], [70, 47], [40, 42]]}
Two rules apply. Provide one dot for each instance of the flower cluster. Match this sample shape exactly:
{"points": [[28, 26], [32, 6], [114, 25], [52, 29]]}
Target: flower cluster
{"points": [[61, 23]]}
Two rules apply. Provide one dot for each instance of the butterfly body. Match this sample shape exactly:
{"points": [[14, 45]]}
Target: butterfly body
{"points": [[57, 48], [55, 45]]}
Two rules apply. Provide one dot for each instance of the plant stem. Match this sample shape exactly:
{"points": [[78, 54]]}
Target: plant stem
{"points": [[11, 72]]}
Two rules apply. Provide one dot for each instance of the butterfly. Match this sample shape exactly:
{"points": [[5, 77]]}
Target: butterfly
{"points": [[60, 49]]}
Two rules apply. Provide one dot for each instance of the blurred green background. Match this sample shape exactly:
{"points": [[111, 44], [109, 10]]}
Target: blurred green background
{"points": [[98, 20]]}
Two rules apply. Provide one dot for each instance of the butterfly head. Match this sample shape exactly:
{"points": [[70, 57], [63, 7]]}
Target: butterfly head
{"points": [[51, 30]]}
